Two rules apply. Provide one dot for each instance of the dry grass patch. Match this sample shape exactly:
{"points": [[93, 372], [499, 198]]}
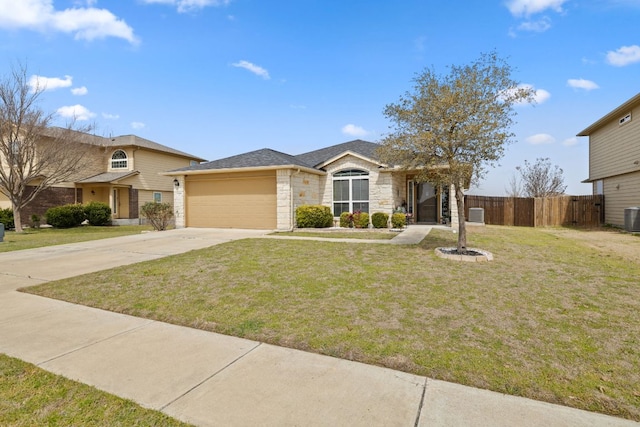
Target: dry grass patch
{"points": [[551, 318]]}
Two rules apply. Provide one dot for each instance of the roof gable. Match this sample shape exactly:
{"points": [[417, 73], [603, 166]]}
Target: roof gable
{"points": [[364, 149]]}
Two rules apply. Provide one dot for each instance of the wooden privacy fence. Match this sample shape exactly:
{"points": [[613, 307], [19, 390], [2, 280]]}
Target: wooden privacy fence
{"points": [[573, 211]]}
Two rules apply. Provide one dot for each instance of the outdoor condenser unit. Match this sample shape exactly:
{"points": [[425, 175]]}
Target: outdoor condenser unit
{"points": [[632, 219]]}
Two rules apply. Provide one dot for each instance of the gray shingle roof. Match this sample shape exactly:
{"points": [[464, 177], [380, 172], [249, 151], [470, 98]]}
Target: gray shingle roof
{"points": [[258, 158], [108, 177], [358, 146]]}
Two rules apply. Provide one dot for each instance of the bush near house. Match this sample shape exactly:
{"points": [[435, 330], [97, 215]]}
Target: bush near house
{"points": [[314, 216], [98, 213], [398, 220], [356, 219], [6, 217], [158, 214], [379, 220], [65, 216]]}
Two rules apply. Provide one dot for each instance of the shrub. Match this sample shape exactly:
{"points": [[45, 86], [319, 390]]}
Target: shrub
{"points": [[65, 216], [98, 213], [360, 219], [158, 214], [314, 216], [379, 220], [6, 217], [398, 220], [35, 220], [357, 219], [346, 220]]}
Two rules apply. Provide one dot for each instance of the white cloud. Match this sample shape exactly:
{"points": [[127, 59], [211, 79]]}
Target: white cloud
{"points": [[49, 83], [582, 84], [539, 95], [353, 130], [540, 138], [138, 125], [77, 112], [110, 116], [531, 7], [624, 56], [189, 5], [79, 91], [85, 23], [570, 141], [255, 69], [539, 26]]}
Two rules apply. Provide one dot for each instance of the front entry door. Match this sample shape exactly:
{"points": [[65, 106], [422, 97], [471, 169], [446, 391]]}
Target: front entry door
{"points": [[427, 203]]}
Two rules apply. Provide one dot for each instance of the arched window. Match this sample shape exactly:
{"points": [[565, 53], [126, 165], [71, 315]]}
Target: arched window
{"points": [[350, 191], [119, 160]]}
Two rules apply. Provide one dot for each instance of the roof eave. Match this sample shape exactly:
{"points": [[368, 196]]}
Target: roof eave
{"points": [[622, 109], [346, 153]]}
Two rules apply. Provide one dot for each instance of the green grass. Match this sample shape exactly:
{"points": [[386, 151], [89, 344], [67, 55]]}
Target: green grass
{"points": [[554, 317], [36, 238], [30, 396]]}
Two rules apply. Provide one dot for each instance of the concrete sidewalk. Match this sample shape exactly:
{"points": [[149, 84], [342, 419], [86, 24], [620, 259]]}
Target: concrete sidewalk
{"points": [[210, 379]]}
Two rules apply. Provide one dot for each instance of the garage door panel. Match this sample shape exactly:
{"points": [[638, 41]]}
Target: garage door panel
{"points": [[240, 202]]}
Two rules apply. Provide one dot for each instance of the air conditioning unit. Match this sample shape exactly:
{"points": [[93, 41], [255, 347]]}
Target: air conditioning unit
{"points": [[632, 219], [477, 215]]}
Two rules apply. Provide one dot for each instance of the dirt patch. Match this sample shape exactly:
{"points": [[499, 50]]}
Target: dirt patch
{"points": [[613, 242]]}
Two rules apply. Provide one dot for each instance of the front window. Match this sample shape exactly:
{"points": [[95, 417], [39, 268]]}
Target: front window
{"points": [[119, 160], [350, 191], [157, 197]]}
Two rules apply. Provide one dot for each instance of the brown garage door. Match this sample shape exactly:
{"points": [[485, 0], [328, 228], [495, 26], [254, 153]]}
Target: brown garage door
{"points": [[239, 200]]}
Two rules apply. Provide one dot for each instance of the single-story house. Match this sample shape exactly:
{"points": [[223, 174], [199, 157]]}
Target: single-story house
{"points": [[262, 189], [123, 171], [614, 159]]}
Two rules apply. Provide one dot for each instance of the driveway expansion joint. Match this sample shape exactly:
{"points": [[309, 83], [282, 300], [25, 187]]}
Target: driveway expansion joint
{"points": [[258, 344]]}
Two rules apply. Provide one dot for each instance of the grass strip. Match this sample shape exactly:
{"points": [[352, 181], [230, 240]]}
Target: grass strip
{"points": [[40, 237]]}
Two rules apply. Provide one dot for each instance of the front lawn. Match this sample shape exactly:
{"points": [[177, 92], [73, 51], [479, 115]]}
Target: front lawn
{"points": [[39, 237], [553, 317], [30, 396], [342, 234]]}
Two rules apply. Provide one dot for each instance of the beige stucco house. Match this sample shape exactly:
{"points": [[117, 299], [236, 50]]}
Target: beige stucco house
{"points": [[122, 171], [614, 159], [262, 189]]}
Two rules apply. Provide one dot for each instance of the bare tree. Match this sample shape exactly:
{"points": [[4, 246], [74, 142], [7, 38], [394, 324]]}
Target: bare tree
{"points": [[34, 155], [514, 187], [541, 179], [450, 128]]}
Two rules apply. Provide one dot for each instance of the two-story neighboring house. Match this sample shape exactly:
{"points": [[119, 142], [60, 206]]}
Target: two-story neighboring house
{"points": [[614, 159], [123, 171]]}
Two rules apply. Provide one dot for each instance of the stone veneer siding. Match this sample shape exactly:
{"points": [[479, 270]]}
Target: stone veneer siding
{"points": [[178, 203]]}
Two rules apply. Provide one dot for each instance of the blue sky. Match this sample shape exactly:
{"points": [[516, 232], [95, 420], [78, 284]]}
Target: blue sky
{"points": [[221, 77]]}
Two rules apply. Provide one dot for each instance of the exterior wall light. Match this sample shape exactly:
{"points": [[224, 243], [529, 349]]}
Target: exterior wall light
{"points": [[176, 183]]}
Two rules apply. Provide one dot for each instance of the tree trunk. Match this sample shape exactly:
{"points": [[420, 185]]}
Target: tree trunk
{"points": [[462, 230], [17, 219]]}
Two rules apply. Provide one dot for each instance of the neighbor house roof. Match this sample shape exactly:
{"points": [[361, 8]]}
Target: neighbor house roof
{"points": [[122, 141], [108, 177], [613, 115]]}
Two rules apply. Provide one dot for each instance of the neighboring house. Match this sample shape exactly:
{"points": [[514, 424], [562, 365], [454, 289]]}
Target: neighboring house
{"points": [[123, 171], [614, 159], [262, 189]]}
